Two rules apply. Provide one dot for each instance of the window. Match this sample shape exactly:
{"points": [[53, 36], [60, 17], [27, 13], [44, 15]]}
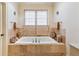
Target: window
{"points": [[36, 17], [29, 17], [41, 17]]}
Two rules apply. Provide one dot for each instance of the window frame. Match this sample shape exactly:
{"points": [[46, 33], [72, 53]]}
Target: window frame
{"points": [[35, 16]]}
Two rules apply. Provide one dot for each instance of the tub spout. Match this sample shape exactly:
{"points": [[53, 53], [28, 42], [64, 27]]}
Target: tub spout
{"points": [[35, 40]]}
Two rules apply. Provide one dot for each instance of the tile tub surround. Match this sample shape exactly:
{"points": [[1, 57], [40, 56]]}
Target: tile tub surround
{"points": [[31, 31], [36, 50]]}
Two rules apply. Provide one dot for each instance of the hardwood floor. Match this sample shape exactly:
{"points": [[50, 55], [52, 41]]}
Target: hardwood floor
{"points": [[74, 51]]}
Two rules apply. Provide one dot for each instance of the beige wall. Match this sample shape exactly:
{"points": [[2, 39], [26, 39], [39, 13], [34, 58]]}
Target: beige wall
{"points": [[0, 29], [11, 8], [35, 6], [69, 15], [19, 17]]}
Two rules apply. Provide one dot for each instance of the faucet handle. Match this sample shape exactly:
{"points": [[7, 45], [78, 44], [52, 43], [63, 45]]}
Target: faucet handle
{"points": [[33, 41], [38, 41]]}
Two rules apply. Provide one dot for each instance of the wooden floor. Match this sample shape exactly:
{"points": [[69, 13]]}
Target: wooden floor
{"points": [[74, 51]]}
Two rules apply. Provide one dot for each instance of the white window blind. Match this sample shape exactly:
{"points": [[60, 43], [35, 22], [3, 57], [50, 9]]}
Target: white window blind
{"points": [[29, 17], [41, 17], [36, 17]]}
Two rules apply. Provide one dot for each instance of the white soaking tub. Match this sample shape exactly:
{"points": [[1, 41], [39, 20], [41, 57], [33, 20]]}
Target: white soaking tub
{"points": [[36, 40]]}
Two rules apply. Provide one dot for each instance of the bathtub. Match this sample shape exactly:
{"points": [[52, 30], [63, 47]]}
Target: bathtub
{"points": [[36, 40], [36, 46]]}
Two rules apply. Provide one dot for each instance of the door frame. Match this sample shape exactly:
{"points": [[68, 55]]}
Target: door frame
{"points": [[1, 29], [4, 29]]}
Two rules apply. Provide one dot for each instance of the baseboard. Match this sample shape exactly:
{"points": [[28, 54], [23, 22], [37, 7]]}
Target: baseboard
{"points": [[74, 46]]}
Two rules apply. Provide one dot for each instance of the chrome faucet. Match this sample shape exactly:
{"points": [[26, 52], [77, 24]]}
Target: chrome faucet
{"points": [[36, 40], [33, 41]]}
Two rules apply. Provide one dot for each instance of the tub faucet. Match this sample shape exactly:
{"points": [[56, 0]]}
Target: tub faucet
{"points": [[35, 40]]}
